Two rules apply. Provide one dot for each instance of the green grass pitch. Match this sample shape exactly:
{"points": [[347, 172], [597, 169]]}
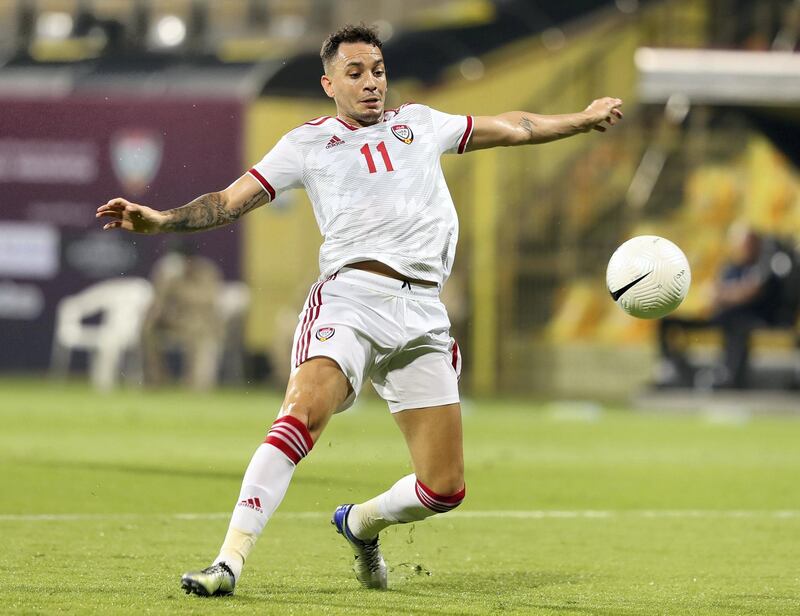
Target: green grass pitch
{"points": [[106, 500]]}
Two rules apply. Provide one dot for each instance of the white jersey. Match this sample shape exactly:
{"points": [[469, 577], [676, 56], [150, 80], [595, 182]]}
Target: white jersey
{"points": [[378, 192]]}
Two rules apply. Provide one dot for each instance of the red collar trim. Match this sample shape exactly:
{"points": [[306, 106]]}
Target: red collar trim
{"points": [[350, 126], [395, 111]]}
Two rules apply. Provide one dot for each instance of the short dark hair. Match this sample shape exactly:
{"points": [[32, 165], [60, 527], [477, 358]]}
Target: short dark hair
{"points": [[348, 34]]}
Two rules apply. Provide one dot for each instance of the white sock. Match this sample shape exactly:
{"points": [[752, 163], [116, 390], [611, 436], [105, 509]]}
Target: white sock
{"points": [[408, 500], [264, 485]]}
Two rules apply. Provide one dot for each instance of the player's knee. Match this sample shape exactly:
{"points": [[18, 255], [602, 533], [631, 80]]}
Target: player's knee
{"points": [[311, 410], [314, 393], [313, 416]]}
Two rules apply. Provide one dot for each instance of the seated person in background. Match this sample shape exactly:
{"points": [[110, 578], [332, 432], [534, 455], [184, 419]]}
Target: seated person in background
{"points": [[184, 316], [746, 296]]}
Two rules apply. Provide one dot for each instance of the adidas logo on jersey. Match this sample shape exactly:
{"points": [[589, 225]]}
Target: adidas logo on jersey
{"points": [[335, 140]]}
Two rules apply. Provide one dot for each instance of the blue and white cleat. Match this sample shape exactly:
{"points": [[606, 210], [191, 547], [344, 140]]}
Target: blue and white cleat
{"points": [[369, 566], [216, 580]]}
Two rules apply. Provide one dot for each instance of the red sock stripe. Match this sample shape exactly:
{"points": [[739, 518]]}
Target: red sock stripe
{"points": [[290, 439], [291, 436], [437, 502], [300, 427], [289, 451]]}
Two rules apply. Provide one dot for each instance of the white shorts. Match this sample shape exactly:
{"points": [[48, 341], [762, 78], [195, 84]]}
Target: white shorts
{"points": [[395, 333]]}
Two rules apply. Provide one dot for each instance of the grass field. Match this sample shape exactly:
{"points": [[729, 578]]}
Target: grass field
{"points": [[106, 500]]}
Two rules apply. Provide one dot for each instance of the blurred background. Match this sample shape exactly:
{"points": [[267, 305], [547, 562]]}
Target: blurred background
{"points": [[162, 100]]}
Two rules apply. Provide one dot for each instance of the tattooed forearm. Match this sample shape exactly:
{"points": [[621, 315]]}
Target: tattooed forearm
{"points": [[527, 126], [545, 128], [203, 213], [207, 211], [251, 204]]}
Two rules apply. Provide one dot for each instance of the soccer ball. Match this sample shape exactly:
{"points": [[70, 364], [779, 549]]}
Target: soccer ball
{"points": [[648, 277]]}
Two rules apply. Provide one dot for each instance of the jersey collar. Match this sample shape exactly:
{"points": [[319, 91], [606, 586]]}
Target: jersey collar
{"points": [[346, 124], [351, 127]]}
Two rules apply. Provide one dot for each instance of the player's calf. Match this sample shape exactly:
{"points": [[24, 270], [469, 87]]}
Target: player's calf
{"points": [[408, 500]]}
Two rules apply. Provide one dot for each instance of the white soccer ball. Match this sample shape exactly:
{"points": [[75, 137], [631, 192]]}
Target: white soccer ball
{"points": [[648, 277]]}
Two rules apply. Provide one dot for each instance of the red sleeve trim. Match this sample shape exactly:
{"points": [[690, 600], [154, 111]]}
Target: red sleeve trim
{"points": [[465, 138], [262, 180]]}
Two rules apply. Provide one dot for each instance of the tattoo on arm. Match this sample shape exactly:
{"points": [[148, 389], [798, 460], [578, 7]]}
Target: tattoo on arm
{"points": [[527, 126], [208, 211], [251, 204]]}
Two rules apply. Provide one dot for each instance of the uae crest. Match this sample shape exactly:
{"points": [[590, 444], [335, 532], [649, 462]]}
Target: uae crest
{"points": [[136, 157], [324, 333], [403, 133]]}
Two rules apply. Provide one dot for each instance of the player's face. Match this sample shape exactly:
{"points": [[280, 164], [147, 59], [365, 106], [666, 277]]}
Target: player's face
{"points": [[356, 80]]}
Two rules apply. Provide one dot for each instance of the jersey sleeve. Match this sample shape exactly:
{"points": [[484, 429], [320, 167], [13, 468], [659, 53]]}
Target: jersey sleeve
{"points": [[280, 169], [452, 131]]}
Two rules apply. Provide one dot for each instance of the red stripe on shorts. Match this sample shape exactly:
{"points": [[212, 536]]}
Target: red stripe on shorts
{"points": [[305, 322], [312, 314]]}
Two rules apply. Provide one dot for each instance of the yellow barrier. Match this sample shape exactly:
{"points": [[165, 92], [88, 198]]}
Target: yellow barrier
{"points": [[505, 198]]}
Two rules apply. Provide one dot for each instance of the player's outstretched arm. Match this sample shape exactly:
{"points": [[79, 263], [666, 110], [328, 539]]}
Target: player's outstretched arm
{"points": [[522, 127], [206, 212]]}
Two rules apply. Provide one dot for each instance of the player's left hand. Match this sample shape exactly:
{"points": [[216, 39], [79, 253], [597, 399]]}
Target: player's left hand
{"points": [[130, 216], [602, 113]]}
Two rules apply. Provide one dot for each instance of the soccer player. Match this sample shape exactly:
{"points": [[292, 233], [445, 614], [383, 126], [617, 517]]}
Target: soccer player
{"points": [[390, 228]]}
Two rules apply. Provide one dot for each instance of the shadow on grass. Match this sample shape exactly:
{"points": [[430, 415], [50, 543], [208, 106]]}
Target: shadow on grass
{"points": [[196, 473], [467, 593], [470, 593]]}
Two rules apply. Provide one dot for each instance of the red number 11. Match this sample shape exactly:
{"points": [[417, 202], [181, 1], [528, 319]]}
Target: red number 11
{"points": [[371, 162]]}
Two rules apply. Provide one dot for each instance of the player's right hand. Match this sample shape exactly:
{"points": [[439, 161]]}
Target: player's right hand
{"points": [[603, 112], [130, 216]]}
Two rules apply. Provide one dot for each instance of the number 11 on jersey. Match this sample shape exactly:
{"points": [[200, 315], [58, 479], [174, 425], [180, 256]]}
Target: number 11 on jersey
{"points": [[381, 147]]}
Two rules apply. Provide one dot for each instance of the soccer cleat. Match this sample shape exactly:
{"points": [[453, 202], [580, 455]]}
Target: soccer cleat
{"points": [[216, 580], [369, 566]]}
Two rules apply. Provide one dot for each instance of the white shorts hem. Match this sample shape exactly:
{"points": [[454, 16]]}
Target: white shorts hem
{"points": [[422, 404]]}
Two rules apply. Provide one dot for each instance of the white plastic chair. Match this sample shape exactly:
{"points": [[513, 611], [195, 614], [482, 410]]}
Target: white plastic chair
{"points": [[122, 304]]}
